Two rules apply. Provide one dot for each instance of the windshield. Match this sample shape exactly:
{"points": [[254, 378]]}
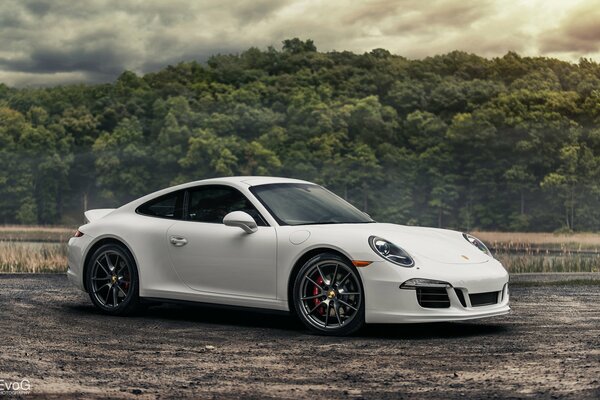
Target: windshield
{"points": [[307, 204]]}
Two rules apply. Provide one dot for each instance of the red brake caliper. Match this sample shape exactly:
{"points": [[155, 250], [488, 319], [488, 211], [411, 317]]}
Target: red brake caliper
{"points": [[315, 292], [128, 279]]}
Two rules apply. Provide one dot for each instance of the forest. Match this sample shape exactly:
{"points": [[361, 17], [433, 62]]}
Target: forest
{"points": [[456, 140]]}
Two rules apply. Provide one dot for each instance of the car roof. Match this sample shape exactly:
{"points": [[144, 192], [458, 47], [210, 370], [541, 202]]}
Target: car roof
{"points": [[252, 180], [239, 181]]}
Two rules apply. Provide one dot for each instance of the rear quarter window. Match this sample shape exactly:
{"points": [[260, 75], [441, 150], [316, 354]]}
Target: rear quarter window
{"points": [[167, 206]]}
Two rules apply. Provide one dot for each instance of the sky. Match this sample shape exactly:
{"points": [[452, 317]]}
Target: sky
{"points": [[68, 41]]}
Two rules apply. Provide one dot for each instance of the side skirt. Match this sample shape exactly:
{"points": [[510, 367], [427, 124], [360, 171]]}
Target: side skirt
{"points": [[158, 301]]}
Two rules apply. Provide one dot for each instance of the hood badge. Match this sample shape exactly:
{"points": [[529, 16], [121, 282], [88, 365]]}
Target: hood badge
{"points": [[465, 257]]}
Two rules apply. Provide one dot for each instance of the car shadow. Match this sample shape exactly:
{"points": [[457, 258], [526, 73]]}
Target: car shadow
{"points": [[282, 321], [433, 330], [208, 314], [221, 315]]}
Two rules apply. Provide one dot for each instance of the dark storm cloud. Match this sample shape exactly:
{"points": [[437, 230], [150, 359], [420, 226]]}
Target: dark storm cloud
{"points": [[579, 32], [415, 15], [99, 59], [374, 11], [36, 7], [99, 39], [38, 39], [11, 19], [54, 41], [259, 10], [417, 28]]}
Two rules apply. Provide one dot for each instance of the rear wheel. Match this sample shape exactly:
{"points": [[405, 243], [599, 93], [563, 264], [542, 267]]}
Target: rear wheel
{"points": [[328, 296], [112, 280]]}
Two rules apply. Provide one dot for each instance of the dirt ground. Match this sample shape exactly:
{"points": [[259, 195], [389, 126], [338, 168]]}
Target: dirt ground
{"points": [[549, 347]]}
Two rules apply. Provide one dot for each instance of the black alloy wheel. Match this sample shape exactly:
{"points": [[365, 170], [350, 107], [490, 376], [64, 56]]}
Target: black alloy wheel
{"points": [[112, 280], [328, 296]]}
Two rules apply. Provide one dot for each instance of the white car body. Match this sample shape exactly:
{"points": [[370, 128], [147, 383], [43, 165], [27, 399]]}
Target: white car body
{"points": [[225, 265]]}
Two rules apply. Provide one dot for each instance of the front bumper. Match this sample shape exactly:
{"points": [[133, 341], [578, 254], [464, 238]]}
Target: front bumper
{"points": [[387, 303]]}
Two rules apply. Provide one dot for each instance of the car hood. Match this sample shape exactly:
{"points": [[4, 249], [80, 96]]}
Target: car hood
{"points": [[439, 245]]}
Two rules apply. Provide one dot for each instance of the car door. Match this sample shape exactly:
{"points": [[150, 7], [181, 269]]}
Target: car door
{"points": [[213, 258], [147, 237]]}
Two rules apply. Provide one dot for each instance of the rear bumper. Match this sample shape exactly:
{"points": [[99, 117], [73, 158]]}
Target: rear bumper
{"points": [[74, 279], [76, 249]]}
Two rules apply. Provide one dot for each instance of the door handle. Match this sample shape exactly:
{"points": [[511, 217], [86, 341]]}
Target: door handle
{"points": [[178, 241]]}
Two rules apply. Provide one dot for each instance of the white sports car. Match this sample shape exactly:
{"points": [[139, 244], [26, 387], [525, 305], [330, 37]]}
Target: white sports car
{"points": [[281, 244]]}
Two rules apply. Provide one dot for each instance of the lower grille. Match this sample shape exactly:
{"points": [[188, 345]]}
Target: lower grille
{"points": [[433, 297], [484, 299]]}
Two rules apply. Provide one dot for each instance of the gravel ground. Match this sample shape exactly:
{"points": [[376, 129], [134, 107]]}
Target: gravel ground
{"points": [[548, 347]]}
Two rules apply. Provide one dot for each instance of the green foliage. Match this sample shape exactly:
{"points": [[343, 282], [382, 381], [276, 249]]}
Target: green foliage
{"points": [[296, 46], [454, 140], [122, 161]]}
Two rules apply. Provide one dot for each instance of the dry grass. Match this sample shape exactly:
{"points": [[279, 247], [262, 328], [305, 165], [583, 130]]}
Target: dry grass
{"points": [[34, 248], [541, 241], [24, 233], [21, 250], [545, 252], [544, 264], [36, 257]]}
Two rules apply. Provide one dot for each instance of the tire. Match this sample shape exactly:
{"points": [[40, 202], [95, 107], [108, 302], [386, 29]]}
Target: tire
{"points": [[112, 280], [328, 296]]}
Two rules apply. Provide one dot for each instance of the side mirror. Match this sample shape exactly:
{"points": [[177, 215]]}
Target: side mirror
{"points": [[241, 220]]}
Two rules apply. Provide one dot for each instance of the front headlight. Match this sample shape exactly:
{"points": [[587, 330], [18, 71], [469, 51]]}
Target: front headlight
{"points": [[391, 252], [477, 243]]}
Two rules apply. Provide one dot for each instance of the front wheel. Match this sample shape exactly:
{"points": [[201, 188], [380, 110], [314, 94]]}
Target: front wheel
{"points": [[112, 280], [328, 296]]}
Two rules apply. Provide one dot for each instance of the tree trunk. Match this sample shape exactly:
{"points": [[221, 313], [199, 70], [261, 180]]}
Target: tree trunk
{"points": [[573, 208], [85, 201], [522, 202], [59, 204]]}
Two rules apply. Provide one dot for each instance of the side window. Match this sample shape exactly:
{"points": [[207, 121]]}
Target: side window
{"points": [[167, 206], [213, 203]]}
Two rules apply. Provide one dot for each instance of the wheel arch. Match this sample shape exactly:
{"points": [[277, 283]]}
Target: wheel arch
{"points": [[307, 255], [99, 242]]}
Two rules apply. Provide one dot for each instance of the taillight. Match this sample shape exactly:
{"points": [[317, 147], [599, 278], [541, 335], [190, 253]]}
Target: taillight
{"points": [[78, 233]]}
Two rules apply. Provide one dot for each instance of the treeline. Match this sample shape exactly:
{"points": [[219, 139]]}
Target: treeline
{"points": [[455, 140]]}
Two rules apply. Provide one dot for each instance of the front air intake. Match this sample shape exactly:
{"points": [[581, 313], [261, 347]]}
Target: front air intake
{"points": [[433, 297], [484, 299]]}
